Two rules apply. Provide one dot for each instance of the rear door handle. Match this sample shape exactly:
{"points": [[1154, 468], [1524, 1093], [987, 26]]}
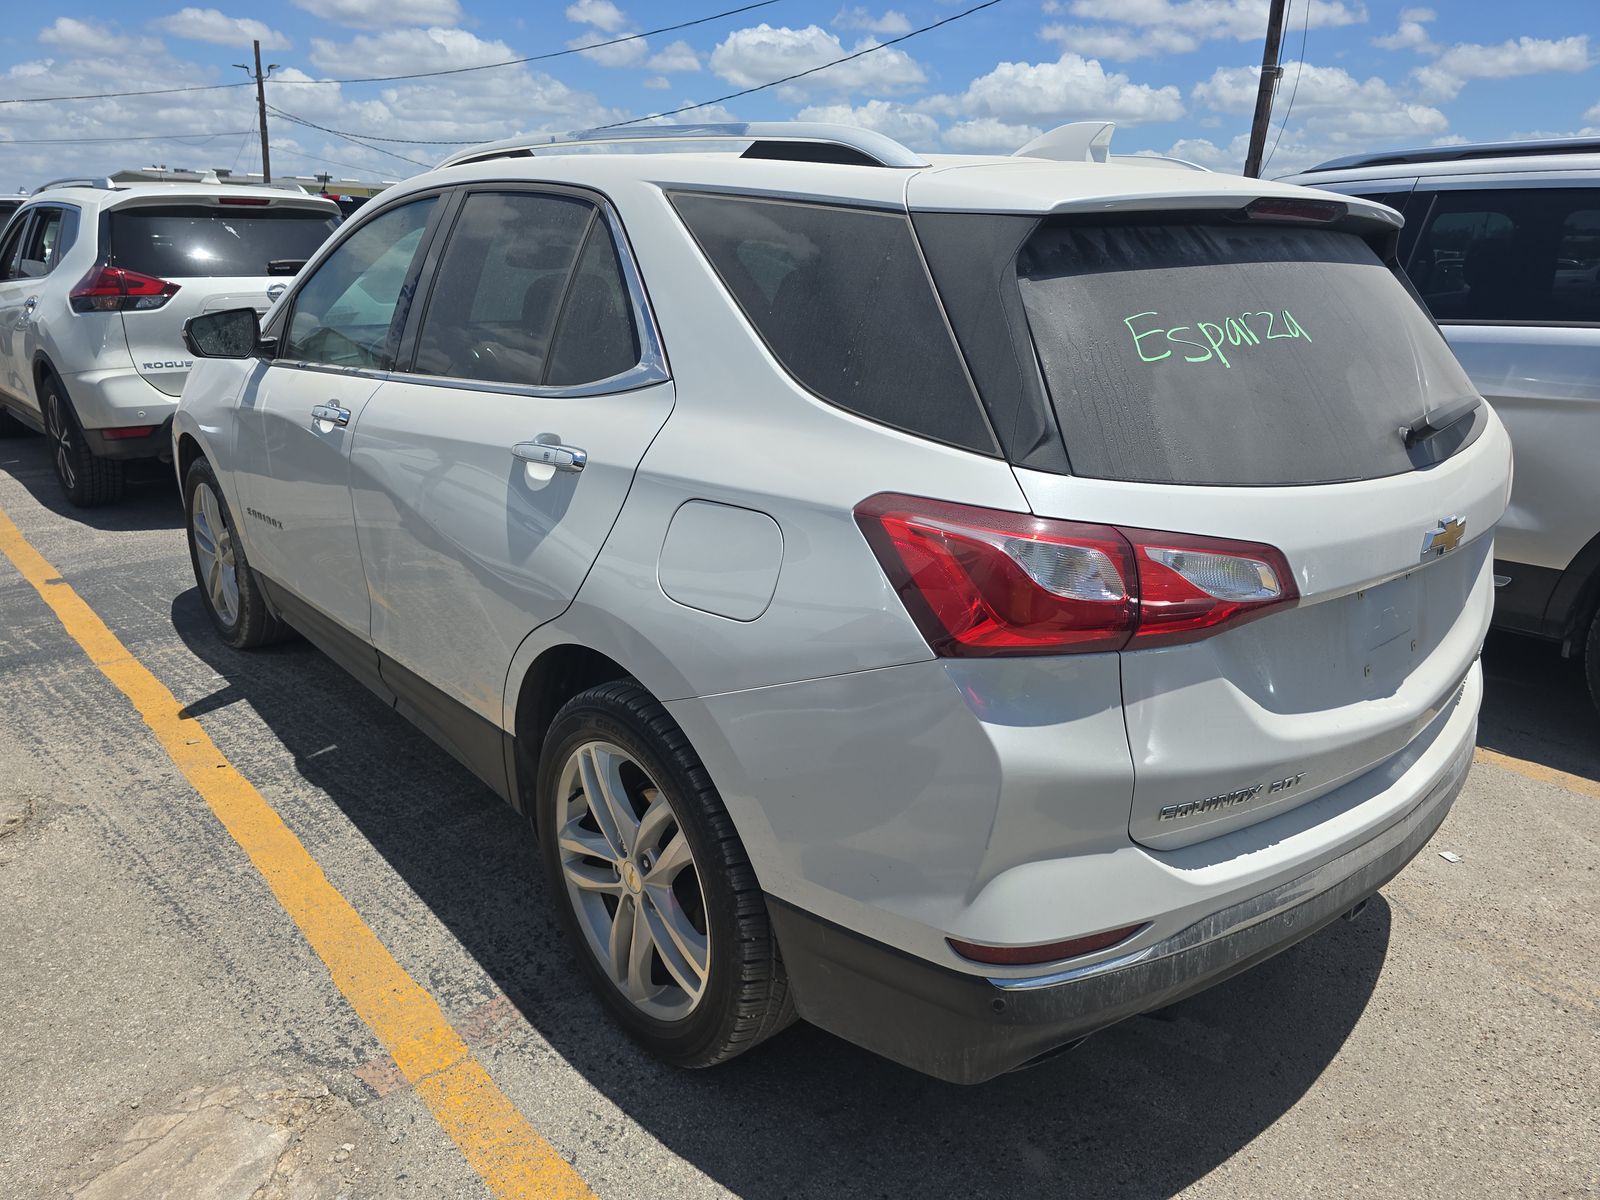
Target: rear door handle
{"points": [[331, 413], [28, 305], [552, 454]]}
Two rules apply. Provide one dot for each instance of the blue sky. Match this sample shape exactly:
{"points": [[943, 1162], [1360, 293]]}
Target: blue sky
{"points": [[1178, 76]]}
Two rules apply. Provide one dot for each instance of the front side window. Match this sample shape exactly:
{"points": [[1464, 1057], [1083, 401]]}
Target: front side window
{"points": [[344, 312], [11, 250], [842, 299], [1511, 256]]}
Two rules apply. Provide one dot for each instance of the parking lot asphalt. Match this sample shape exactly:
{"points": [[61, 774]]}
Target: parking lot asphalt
{"points": [[168, 1029]]}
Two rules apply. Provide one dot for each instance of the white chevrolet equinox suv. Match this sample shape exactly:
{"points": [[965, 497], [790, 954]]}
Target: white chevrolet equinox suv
{"points": [[960, 602], [96, 281]]}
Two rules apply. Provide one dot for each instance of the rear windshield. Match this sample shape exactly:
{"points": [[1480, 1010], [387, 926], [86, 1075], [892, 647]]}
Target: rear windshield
{"points": [[1229, 354], [206, 240]]}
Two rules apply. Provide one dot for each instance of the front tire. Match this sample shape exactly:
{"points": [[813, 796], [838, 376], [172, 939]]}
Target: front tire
{"points": [[228, 587], [652, 883], [87, 479]]}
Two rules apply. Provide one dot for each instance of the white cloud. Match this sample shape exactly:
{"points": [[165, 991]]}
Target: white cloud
{"points": [[1053, 92], [657, 83], [756, 55], [989, 136], [881, 116], [602, 14], [1119, 42], [619, 54], [678, 56], [1411, 33], [1444, 78], [1242, 20], [1593, 114], [1327, 98], [890, 22], [93, 38], [383, 14], [210, 25]]}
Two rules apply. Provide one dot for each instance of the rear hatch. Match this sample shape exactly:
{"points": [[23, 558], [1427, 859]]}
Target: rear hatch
{"points": [[1247, 378], [219, 252]]}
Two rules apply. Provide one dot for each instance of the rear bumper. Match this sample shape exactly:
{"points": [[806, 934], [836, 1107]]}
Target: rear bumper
{"points": [[966, 1029]]}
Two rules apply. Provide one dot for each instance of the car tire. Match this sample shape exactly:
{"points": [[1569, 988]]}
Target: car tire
{"points": [[228, 588], [1591, 659], [87, 479], [681, 879]]}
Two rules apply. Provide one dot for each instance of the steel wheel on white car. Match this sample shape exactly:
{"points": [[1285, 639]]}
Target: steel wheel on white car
{"points": [[230, 593], [652, 883]]}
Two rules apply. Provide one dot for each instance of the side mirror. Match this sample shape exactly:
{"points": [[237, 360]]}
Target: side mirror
{"points": [[235, 333]]}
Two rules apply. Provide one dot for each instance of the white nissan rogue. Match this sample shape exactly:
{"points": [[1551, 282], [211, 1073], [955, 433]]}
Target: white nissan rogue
{"points": [[96, 281], [962, 602]]}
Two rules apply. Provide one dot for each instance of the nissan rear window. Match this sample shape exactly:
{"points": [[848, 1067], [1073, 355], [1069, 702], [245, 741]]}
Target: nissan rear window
{"points": [[196, 241], [1226, 353]]}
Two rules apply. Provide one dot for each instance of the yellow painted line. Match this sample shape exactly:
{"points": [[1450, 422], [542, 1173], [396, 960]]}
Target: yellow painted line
{"points": [[498, 1142], [1533, 770]]}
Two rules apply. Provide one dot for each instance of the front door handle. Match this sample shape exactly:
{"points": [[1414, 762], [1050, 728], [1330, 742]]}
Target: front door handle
{"points": [[551, 454], [331, 413]]}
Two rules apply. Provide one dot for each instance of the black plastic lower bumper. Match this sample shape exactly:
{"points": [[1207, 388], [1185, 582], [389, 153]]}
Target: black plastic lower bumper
{"points": [[966, 1029], [155, 444]]}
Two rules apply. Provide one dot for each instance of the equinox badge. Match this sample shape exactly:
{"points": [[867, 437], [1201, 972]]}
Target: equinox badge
{"points": [[1436, 543]]}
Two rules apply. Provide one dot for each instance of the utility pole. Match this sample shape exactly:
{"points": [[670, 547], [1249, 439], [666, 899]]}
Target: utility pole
{"points": [[261, 108], [1270, 73]]}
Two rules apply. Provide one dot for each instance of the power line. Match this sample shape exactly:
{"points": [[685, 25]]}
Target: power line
{"points": [[1300, 66], [352, 138], [362, 138], [761, 87], [510, 62], [154, 137]]}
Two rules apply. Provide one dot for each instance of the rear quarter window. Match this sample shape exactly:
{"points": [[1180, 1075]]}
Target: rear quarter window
{"points": [[841, 298], [1229, 353], [198, 241]]}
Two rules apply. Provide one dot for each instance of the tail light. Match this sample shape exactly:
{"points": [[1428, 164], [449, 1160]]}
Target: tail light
{"points": [[1016, 956], [982, 583], [114, 289], [245, 201]]}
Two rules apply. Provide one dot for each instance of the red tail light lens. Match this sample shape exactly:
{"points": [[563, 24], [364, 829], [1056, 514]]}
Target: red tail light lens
{"points": [[981, 583], [112, 289], [245, 201]]}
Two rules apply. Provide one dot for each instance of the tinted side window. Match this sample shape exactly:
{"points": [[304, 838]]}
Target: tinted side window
{"points": [[54, 230], [11, 251], [1512, 256], [493, 306], [343, 313], [596, 338], [841, 298]]}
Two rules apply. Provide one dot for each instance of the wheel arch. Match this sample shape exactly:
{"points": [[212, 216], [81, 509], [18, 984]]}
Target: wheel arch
{"points": [[559, 672], [1576, 598]]}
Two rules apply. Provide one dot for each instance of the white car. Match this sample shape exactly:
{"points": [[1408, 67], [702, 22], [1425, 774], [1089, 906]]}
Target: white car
{"points": [[96, 281], [964, 602], [1503, 243]]}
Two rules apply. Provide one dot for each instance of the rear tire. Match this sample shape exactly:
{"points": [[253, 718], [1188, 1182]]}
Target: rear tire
{"points": [[228, 588], [656, 852], [87, 479]]}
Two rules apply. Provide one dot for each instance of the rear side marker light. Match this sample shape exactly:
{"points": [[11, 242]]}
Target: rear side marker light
{"points": [[1022, 956], [984, 583], [113, 289], [128, 431]]}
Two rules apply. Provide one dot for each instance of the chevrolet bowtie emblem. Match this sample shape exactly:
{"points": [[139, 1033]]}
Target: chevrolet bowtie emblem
{"points": [[1436, 543]]}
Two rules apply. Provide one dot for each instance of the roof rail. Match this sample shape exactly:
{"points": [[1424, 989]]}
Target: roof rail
{"points": [[102, 183], [1526, 149], [805, 141]]}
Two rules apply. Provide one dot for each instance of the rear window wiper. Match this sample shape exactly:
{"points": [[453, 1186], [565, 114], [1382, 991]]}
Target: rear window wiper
{"points": [[285, 266], [1431, 424]]}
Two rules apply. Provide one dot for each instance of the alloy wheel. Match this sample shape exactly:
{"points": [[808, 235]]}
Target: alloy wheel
{"points": [[632, 881], [213, 545], [59, 426]]}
